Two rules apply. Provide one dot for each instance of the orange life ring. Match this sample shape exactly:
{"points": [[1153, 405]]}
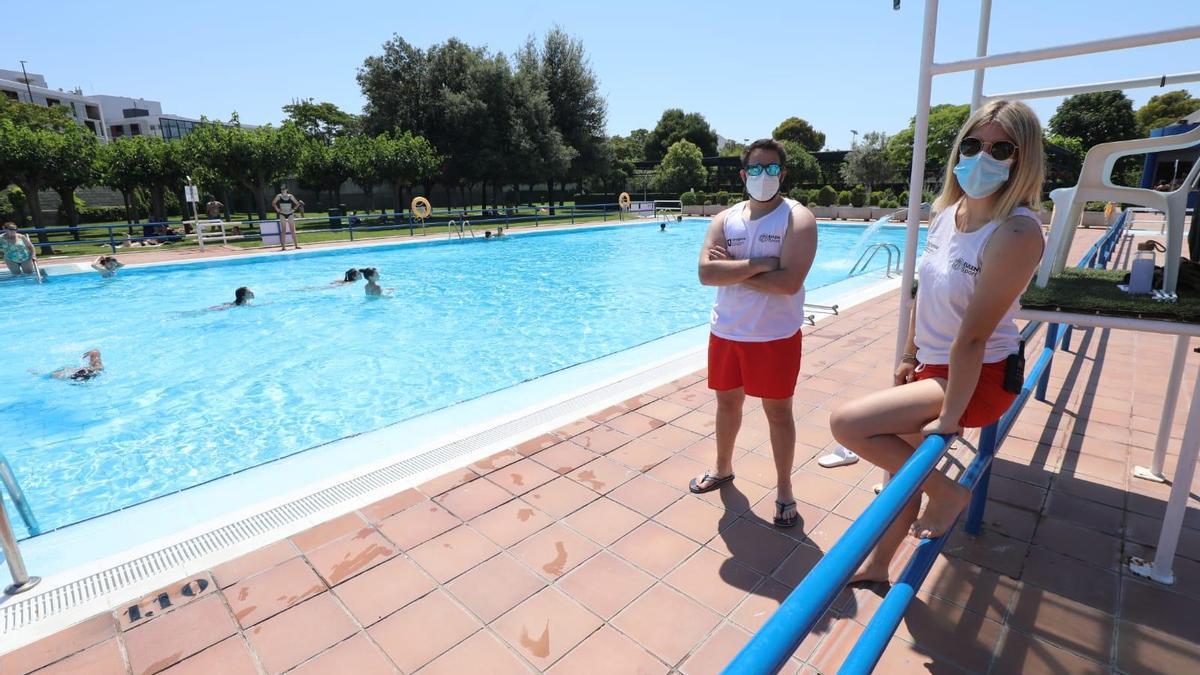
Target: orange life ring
{"points": [[421, 207], [624, 200]]}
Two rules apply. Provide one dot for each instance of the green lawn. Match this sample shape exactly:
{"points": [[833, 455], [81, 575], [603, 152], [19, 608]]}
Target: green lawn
{"points": [[1093, 291]]}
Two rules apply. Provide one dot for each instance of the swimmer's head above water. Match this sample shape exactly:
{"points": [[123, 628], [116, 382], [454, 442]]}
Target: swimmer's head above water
{"points": [[351, 275], [242, 295], [369, 273]]}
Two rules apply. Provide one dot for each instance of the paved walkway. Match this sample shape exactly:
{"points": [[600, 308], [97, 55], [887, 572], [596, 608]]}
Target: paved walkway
{"points": [[581, 551]]}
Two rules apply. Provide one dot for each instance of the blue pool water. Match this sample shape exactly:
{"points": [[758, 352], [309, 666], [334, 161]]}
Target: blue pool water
{"points": [[190, 395]]}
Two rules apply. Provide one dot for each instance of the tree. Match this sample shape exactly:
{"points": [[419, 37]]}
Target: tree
{"points": [[398, 89], [1166, 109], [676, 125], [868, 162], [323, 168], [681, 169], [23, 153], [539, 149], [362, 156], [123, 167], [945, 120], [405, 160], [801, 166], [1095, 118], [799, 131], [165, 174], [731, 148], [579, 111], [1064, 159], [254, 159], [56, 118], [321, 121], [73, 164]]}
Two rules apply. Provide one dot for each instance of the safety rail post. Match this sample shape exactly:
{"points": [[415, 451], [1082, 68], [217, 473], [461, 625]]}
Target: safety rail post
{"points": [[21, 581], [112, 244], [1066, 340], [572, 213], [987, 446], [774, 643], [1051, 343]]}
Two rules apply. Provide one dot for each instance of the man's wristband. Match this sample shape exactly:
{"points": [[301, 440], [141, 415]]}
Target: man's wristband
{"points": [[909, 358]]}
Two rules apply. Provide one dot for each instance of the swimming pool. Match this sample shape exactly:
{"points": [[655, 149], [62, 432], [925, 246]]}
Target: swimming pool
{"points": [[191, 395]]}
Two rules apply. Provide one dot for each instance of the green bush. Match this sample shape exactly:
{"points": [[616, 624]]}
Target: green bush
{"points": [[858, 196], [890, 203], [799, 194], [827, 196], [903, 198], [733, 199], [691, 198], [101, 214], [721, 197], [843, 198], [812, 196], [1094, 206], [928, 197], [877, 198]]}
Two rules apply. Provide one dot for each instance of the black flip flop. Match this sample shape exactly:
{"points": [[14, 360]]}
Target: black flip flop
{"points": [[714, 482], [789, 521]]}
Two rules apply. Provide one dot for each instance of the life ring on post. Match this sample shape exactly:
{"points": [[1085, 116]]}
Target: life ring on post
{"points": [[624, 201], [421, 208]]}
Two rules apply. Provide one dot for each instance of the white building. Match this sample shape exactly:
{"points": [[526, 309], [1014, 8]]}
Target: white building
{"points": [[140, 117], [85, 109]]}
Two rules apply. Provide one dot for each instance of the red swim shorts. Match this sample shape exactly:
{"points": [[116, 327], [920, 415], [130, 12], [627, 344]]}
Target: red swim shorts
{"points": [[990, 400], [765, 369]]}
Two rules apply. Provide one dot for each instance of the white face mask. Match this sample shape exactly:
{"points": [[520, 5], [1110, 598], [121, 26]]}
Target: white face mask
{"points": [[762, 188]]}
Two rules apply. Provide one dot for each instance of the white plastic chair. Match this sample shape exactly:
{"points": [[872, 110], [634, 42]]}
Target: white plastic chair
{"points": [[1094, 185]]}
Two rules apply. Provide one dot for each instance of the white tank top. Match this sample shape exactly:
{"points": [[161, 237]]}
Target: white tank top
{"points": [[949, 270], [742, 313]]}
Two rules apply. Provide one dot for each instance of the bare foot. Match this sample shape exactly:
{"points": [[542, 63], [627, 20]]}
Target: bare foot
{"points": [[940, 513], [871, 572]]}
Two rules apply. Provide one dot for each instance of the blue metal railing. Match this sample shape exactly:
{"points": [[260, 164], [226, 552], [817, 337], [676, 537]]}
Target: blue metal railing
{"points": [[774, 643]]}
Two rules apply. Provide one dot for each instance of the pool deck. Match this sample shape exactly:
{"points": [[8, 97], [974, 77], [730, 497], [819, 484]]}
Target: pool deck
{"points": [[582, 551]]}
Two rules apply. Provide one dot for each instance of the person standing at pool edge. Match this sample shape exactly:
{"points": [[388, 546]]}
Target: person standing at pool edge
{"points": [[757, 254], [285, 205]]}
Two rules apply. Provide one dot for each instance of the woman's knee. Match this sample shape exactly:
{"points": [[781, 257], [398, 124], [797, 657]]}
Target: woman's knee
{"points": [[848, 421]]}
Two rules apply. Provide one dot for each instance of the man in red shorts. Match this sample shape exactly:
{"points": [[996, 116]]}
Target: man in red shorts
{"points": [[757, 254]]}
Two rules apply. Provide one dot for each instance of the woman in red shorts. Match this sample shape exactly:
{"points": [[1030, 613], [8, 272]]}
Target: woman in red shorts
{"points": [[983, 245]]}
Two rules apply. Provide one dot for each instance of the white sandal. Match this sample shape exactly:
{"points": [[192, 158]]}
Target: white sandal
{"points": [[840, 456]]}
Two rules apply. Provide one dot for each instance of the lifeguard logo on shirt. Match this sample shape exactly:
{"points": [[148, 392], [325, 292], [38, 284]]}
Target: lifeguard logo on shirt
{"points": [[769, 238], [960, 265], [730, 242], [930, 246]]}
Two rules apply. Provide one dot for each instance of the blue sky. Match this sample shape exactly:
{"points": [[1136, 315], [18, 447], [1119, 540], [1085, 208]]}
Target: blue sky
{"points": [[745, 66]]}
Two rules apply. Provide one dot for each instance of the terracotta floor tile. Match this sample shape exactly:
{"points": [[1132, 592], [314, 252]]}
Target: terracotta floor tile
{"points": [[418, 524], [228, 657], [1010, 520], [472, 499], [736, 498], [423, 630], [606, 650], [901, 656], [640, 455], [609, 413], [963, 583], [604, 521], [835, 645], [602, 475], [572, 430], [1141, 649], [358, 655], [1160, 608], [664, 411], [645, 495], [536, 445], [602, 440], [1031, 656], [1079, 542], [672, 438], [447, 481], [328, 531], [522, 476], [760, 605], [177, 635], [1089, 489], [480, 653], [697, 422], [449, 555], [292, 637], [678, 471], [950, 632], [496, 461], [797, 564], [758, 547], [564, 457], [343, 558], [59, 645], [854, 503], [1069, 577], [495, 586], [545, 627], [229, 573], [560, 497], [990, 549], [809, 517], [716, 581], [635, 423], [383, 589], [102, 659], [654, 548], [605, 584], [1016, 493], [668, 640], [1084, 512], [554, 551], [392, 505], [511, 522], [265, 595], [695, 519], [719, 649], [820, 491], [1062, 621]]}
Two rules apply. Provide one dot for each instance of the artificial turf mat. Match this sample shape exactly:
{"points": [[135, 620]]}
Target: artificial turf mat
{"points": [[1094, 291]]}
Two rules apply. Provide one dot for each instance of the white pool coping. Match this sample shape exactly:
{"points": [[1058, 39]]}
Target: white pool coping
{"points": [[70, 555]]}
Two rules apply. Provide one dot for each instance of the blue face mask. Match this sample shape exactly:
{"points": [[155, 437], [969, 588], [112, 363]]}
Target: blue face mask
{"points": [[981, 174]]}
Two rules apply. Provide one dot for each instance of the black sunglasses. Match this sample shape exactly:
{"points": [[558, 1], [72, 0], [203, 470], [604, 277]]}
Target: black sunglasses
{"points": [[1001, 150], [772, 169]]}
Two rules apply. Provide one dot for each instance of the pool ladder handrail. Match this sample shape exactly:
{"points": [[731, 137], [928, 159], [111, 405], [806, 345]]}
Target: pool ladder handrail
{"points": [[869, 254], [463, 229], [8, 540]]}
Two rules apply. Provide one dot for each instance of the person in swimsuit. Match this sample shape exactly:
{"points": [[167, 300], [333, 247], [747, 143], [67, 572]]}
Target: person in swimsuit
{"points": [[213, 209], [286, 206], [241, 297], [373, 288], [76, 374], [983, 246], [350, 277], [18, 251], [107, 266]]}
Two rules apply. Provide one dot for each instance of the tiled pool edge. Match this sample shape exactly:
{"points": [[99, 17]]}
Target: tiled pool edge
{"points": [[81, 592]]}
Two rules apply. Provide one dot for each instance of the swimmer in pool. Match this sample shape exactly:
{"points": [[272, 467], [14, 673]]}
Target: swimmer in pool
{"points": [[662, 227], [77, 374], [373, 289], [107, 266], [350, 277], [242, 296]]}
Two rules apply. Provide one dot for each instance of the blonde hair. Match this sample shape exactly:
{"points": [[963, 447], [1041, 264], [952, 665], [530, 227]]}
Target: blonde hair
{"points": [[1024, 186]]}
